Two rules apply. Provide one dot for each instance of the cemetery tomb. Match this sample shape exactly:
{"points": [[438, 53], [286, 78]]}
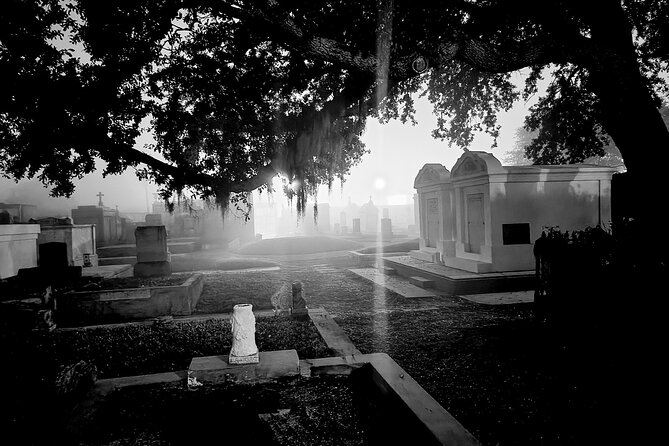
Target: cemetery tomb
{"points": [[18, 248], [19, 213], [79, 242], [484, 217], [369, 217], [108, 224]]}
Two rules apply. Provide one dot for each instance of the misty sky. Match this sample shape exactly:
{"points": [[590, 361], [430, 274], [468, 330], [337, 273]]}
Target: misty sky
{"points": [[398, 151]]}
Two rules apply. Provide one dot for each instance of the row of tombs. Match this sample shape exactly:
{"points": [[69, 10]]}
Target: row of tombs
{"points": [[484, 217], [96, 235], [479, 217]]}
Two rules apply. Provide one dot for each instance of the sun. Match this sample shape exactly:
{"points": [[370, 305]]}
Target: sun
{"points": [[379, 183]]}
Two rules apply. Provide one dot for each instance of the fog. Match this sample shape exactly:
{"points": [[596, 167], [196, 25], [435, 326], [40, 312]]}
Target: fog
{"points": [[386, 174]]}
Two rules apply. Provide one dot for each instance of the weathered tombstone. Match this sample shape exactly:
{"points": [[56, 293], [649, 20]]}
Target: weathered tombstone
{"points": [[244, 349], [356, 226], [153, 257], [299, 307], [386, 229]]}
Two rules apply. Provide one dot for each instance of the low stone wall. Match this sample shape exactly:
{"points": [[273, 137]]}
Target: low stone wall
{"points": [[94, 307]]}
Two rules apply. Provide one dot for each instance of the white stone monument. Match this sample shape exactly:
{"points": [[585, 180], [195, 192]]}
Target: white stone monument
{"points": [[244, 349], [484, 217]]}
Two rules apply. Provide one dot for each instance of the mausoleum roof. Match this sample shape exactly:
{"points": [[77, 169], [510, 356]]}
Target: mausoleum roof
{"points": [[475, 162], [430, 174]]}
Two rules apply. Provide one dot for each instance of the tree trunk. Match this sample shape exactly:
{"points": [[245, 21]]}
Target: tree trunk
{"points": [[631, 117]]}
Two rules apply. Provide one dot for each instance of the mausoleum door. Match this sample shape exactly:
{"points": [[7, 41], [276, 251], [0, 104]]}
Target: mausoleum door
{"points": [[475, 223], [432, 222]]}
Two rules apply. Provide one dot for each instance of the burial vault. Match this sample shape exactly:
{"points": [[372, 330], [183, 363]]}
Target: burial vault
{"points": [[484, 217]]}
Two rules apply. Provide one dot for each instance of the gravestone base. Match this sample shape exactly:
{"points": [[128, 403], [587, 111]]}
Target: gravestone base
{"points": [[249, 359], [152, 269]]}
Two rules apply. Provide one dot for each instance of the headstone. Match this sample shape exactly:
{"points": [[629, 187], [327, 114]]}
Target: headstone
{"points": [[356, 226], [244, 349], [299, 303], [153, 257], [5, 217], [386, 229]]}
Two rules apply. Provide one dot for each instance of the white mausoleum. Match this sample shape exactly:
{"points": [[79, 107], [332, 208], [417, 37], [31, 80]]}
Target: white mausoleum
{"points": [[484, 217]]}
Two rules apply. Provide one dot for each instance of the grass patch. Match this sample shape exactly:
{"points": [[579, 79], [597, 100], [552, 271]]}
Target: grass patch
{"points": [[298, 245], [138, 349]]}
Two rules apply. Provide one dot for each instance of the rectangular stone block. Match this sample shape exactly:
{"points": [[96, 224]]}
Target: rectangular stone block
{"points": [[151, 242], [272, 364], [421, 282]]}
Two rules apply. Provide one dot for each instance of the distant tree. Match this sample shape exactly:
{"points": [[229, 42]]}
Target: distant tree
{"points": [[524, 150], [237, 91]]}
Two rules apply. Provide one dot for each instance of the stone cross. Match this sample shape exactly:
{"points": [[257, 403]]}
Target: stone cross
{"points": [[100, 195]]}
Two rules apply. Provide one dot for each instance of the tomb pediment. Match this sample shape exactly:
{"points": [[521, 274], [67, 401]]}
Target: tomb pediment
{"points": [[432, 173], [476, 163]]}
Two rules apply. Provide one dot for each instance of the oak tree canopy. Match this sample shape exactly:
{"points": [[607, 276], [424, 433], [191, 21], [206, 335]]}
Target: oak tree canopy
{"points": [[235, 92]]}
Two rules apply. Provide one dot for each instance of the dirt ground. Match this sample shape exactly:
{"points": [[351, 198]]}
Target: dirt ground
{"points": [[508, 378]]}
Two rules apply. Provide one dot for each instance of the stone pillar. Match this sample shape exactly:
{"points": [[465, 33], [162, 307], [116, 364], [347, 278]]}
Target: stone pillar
{"points": [[386, 229], [153, 258], [244, 349]]}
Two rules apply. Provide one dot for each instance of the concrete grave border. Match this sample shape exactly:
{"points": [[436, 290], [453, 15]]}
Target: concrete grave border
{"points": [[435, 425], [132, 303]]}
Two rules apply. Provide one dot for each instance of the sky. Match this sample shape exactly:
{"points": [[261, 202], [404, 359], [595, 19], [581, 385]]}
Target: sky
{"points": [[397, 152]]}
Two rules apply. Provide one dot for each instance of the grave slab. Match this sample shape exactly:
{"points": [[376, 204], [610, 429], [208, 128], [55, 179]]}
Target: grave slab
{"points": [[217, 369], [394, 284], [421, 282]]}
